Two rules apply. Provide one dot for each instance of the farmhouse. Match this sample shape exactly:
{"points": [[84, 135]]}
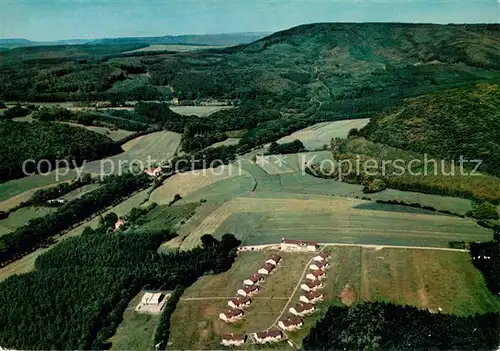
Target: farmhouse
{"points": [[302, 309], [321, 257], [319, 266], [254, 279], [312, 285], [274, 259], [153, 172], [291, 324], [268, 336], [312, 297], [231, 315], [239, 302], [298, 245], [315, 275], [233, 339], [266, 269], [119, 223], [249, 290]]}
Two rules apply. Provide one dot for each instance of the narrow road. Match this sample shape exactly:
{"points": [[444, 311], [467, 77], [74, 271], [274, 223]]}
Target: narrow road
{"points": [[368, 246]]}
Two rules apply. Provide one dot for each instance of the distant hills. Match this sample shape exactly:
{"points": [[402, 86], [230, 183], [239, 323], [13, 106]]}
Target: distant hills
{"points": [[224, 39]]}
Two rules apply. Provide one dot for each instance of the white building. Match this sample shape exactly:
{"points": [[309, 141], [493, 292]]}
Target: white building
{"points": [[298, 245], [268, 336], [291, 324], [231, 315], [274, 259], [312, 297], [321, 257], [319, 266], [249, 290], [266, 269], [239, 302], [315, 275], [302, 309], [254, 279], [233, 339], [312, 285]]}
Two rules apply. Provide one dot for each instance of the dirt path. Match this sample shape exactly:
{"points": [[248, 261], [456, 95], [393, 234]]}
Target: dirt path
{"points": [[368, 246]]}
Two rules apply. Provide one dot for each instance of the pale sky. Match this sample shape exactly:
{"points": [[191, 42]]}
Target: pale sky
{"points": [[74, 19]]}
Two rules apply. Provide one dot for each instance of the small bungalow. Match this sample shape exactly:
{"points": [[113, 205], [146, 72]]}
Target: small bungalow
{"points": [[254, 279], [316, 275], [266, 269], [312, 297], [312, 285], [319, 266], [231, 315], [298, 245], [249, 290], [153, 172], [268, 336], [119, 223], [274, 259], [321, 257], [291, 324], [302, 309], [232, 339], [239, 302]]}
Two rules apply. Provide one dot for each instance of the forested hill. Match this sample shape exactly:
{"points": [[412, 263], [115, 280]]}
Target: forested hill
{"points": [[449, 124], [326, 62]]}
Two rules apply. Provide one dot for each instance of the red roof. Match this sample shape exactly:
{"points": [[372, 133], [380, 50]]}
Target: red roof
{"points": [[292, 320], [313, 283], [255, 277], [324, 254], [319, 264], [275, 258], [268, 267], [301, 307], [318, 273], [269, 333], [234, 337], [249, 289], [241, 300], [313, 294], [299, 242], [233, 313]]}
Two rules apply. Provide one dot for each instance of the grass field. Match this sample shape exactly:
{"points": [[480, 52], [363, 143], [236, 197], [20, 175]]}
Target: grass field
{"points": [[199, 111], [317, 135], [22, 216], [17, 187], [77, 193], [155, 147], [114, 134], [227, 142], [265, 220], [137, 330], [203, 301], [423, 278], [189, 182]]}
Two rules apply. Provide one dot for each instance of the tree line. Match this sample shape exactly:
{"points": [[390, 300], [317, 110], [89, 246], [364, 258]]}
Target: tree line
{"points": [[40, 230], [384, 326]]}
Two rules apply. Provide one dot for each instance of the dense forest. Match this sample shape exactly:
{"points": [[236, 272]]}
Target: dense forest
{"points": [[76, 297], [380, 326], [451, 124], [39, 231], [21, 141], [486, 258]]}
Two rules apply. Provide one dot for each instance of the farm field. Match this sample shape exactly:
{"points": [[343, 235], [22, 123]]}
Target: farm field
{"points": [[205, 299], [331, 219], [317, 135], [303, 183], [22, 216], [77, 193], [199, 111], [427, 279], [137, 330], [16, 187], [227, 142], [114, 134], [155, 148], [189, 182]]}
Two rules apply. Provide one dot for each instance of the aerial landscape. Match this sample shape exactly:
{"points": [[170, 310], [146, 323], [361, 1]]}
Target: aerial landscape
{"points": [[250, 175]]}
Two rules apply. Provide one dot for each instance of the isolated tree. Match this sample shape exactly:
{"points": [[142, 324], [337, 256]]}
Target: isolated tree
{"points": [[110, 219], [208, 240]]}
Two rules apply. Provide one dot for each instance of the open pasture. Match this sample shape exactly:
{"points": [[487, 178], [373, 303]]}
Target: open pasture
{"points": [[332, 219], [155, 148], [198, 111], [189, 182], [113, 134], [319, 134], [205, 299], [22, 216], [227, 142]]}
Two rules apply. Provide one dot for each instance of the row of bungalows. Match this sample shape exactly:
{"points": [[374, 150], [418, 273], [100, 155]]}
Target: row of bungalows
{"points": [[302, 309], [249, 290], [240, 302], [291, 324]]}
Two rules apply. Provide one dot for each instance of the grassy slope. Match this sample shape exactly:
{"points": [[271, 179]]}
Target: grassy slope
{"points": [[22, 216]]}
